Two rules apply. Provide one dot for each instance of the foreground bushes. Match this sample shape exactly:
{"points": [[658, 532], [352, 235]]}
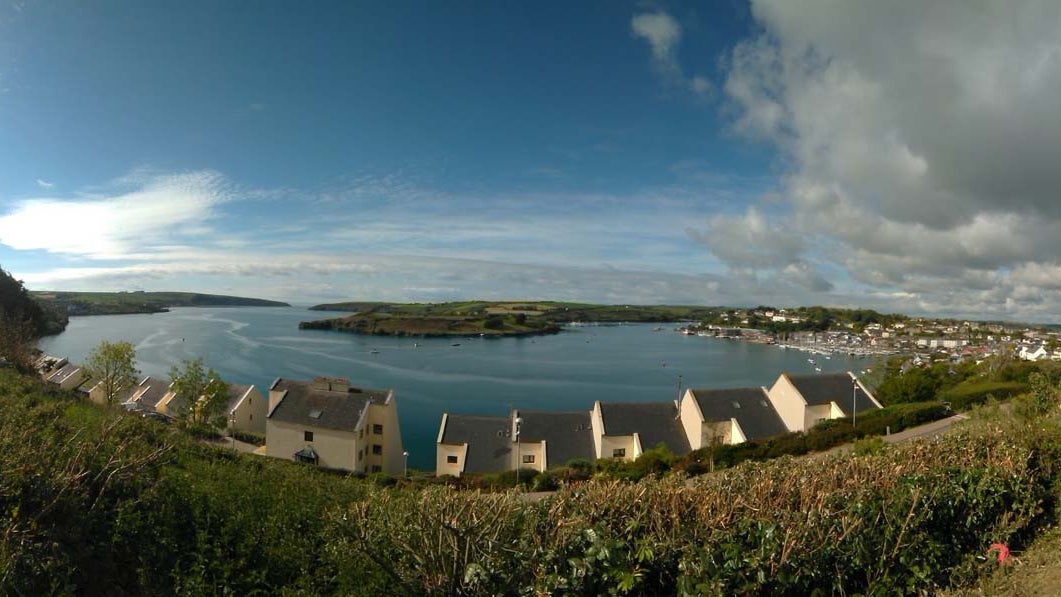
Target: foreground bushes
{"points": [[95, 502], [904, 520], [825, 435]]}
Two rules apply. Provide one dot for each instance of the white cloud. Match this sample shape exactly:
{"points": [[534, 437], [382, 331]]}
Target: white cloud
{"points": [[116, 226], [921, 142], [663, 34], [44, 184]]}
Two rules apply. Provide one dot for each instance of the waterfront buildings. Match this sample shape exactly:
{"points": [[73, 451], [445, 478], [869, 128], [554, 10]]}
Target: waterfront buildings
{"points": [[331, 424], [625, 430]]}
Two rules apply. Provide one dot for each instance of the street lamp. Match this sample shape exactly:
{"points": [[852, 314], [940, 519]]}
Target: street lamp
{"points": [[405, 465], [232, 428], [518, 421], [854, 393]]}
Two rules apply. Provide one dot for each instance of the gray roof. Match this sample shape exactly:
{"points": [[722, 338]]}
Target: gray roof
{"points": [[567, 435], [63, 373], [750, 406], [489, 441], [655, 422], [305, 403], [235, 392], [832, 387], [156, 389]]}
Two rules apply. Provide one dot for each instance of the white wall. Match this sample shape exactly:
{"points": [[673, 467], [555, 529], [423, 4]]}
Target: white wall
{"points": [[789, 404]]}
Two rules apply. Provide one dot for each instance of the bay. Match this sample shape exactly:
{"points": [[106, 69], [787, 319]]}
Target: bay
{"points": [[566, 371]]}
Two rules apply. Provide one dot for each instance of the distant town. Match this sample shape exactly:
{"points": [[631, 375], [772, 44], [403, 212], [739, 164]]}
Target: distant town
{"points": [[866, 332]]}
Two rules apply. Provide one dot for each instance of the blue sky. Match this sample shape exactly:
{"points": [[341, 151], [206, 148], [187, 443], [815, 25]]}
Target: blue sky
{"points": [[712, 153]]}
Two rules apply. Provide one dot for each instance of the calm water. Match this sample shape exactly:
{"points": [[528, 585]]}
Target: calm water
{"points": [[565, 371]]}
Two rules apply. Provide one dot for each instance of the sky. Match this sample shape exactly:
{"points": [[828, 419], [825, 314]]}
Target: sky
{"points": [[901, 156]]}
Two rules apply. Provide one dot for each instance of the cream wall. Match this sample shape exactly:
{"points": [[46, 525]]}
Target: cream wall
{"points": [[391, 461], [789, 404], [736, 434], [250, 413], [442, 451], [597, 422], [335, 449], [536, 449], [692, 421], [625, 442], [163, 405], [817, 413]]}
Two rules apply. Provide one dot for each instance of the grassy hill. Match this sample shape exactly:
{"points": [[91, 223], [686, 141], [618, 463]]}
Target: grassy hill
{"points": [[95, 501], [491, 318], [117, 303]]}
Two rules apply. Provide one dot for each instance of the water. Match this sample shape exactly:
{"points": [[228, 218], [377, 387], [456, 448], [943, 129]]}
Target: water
{"points": [[430, 376]]}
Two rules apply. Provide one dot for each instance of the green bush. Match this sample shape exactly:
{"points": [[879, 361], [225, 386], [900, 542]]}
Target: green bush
{"points": [[966, 395]]}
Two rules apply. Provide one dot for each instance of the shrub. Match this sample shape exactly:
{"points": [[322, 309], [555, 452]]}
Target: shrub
{"points": [[966, 395]]}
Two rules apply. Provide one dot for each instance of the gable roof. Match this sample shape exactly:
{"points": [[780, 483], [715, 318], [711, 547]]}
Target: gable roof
{"points": [[304, 403], [236, 393], [567, 435], [155, 388], [832, 387], [489, 441], [654, 422], [750, 406], [64, 373]]}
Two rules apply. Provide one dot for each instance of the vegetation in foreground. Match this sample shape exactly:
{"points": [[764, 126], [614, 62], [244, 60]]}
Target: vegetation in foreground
{"points": [[96, 501]]}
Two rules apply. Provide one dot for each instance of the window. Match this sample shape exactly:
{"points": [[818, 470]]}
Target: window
{"points": [[619, 453], [377, 449], [377, 429], [307, 436], [451, 460], [377, 468], [252, 417], [528, 459]]}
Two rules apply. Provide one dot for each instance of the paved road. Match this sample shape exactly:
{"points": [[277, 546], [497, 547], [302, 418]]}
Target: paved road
{"points": [[928, 429]]}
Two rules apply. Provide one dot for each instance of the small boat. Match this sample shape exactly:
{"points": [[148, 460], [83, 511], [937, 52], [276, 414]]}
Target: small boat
{"points": [[373, 352], [455, 344]]}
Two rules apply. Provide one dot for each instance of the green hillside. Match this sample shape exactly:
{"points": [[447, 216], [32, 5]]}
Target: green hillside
{"points": [[116, 303], [96, 501]]}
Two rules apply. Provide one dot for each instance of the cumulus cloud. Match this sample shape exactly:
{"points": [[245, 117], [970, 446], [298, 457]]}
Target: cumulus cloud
{"points": [[921, 142], [663, 33]]}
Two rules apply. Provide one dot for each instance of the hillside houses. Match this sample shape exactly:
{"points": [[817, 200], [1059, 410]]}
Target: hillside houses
{"points": [[625, 430], [332, 424]]}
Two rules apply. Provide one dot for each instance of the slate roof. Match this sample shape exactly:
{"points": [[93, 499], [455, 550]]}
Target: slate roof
{"points": [[750, 406], [567, 435], [306, 405], [489, 441], [64, 373], [87, 385], [235, 393], [831, 387], [156, 389], [654, 422]]}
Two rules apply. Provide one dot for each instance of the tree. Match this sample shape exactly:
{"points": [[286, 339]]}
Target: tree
{"points": [[114, 365], [21, 322], [199, 394]]}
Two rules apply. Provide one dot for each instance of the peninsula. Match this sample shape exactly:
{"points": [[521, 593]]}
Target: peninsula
{"points": [[121, 303], [487, 318]]}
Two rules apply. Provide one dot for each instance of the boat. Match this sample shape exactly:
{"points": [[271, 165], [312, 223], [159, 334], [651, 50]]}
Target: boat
{"points": [[455, 344]]}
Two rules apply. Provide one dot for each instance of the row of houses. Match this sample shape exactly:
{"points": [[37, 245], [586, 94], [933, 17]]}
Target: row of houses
{"points": [[325, 422], [624, 430]]}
